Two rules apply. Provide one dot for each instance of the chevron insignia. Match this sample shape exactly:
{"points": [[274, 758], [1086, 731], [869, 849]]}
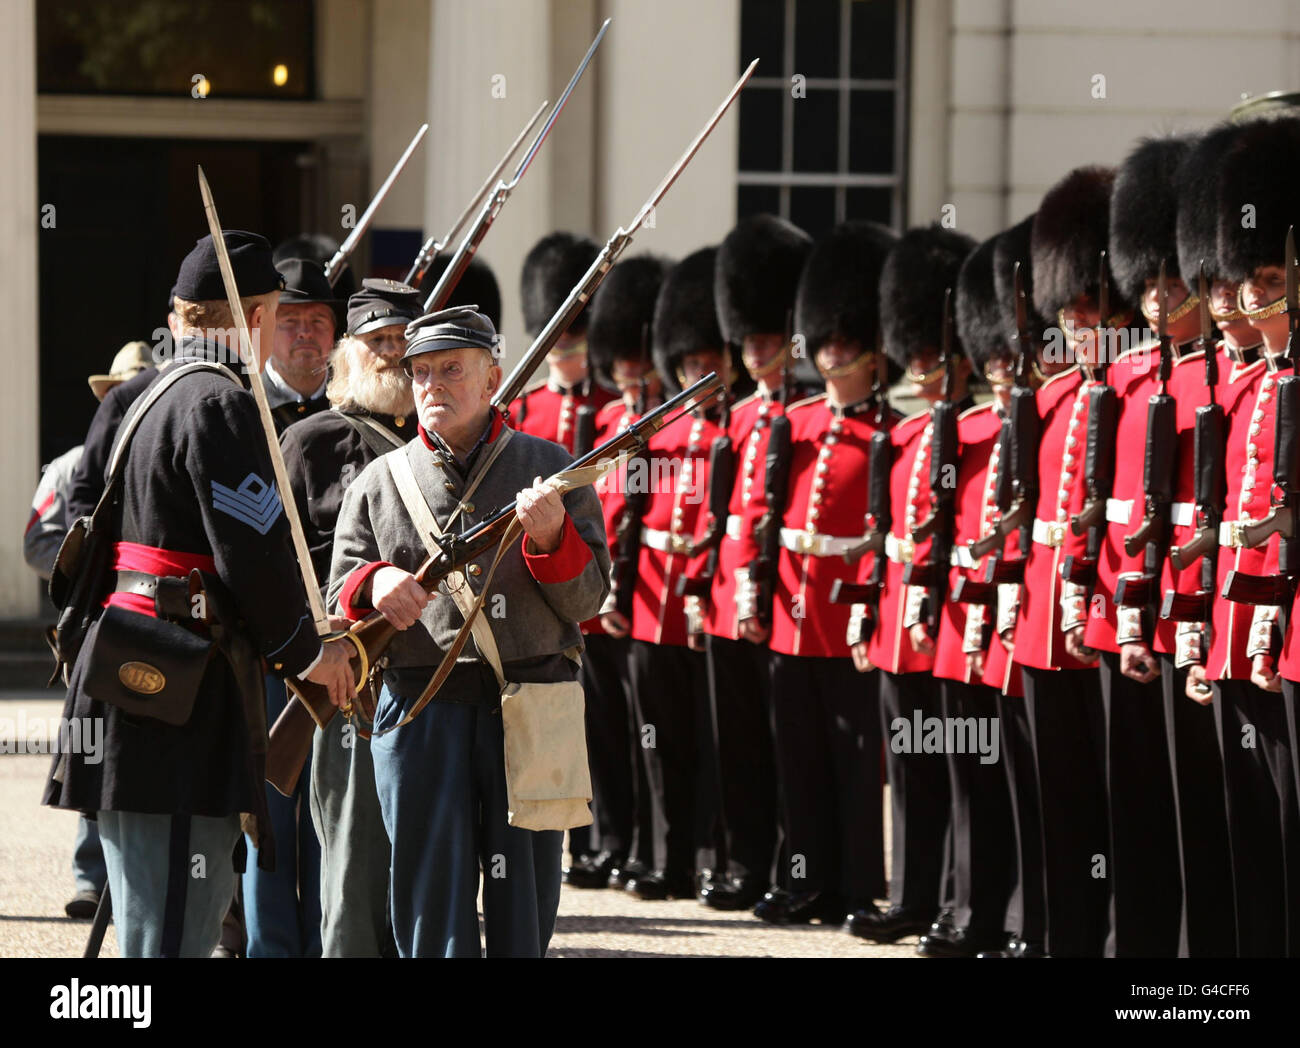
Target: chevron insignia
{"points": [[255, 502]]}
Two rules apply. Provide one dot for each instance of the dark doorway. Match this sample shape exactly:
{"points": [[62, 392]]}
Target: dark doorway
{"points": [[126, 211]]}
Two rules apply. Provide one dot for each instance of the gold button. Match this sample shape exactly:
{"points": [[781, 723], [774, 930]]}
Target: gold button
{"points": [[474, 569], [468, 508], [279, 665], [399, 422], [449, 486]]}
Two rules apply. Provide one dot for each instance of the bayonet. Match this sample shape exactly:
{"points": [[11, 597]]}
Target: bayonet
{"points": [[335, 266]]}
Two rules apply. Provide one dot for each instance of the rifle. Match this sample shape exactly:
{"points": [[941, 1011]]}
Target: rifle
{"points": [[937, 527], [1017, 482], [335, 266], [880, 460], [1099, 459], [584, 430], [432, 248], [776, 484], [291, 735], [1285, 499], [441, 292], [1157, 475], [1211, 485]]}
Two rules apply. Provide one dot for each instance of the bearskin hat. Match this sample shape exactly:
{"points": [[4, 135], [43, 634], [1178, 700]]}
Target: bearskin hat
{"points": [[686, 316], [477, 287], [622, 313], [551, 269], [1012, 247], [757, 275], [1257, 196], [1144, 214], [920, 268], [1198, 204], [1071, 230], [980, 321], [839, 293]]}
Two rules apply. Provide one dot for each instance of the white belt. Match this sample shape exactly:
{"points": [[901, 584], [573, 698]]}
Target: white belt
{"points": [[733, 527], [962, 558], [664, 541], [900, 551], [1183, 514], [1049, 533], [817, 545], [1118, 511]]}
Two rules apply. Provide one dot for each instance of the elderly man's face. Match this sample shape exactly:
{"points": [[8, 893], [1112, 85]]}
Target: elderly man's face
{"points": [[453, 388], [304, 336], [377, 380]]}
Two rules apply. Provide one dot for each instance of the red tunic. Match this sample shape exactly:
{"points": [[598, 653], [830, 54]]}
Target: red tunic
{"points": [[550, 411], [826, 497], [910, 502], [676, 469], [1063, 418]]}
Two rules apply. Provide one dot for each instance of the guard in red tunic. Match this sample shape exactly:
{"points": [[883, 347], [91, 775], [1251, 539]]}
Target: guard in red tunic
{"points": [[917, 275], [669, 680], [1144, 913], [816, 475], [618, 348], [982, 848], [755, 279], [1061, 690], [1263, 814], [551, 270]]}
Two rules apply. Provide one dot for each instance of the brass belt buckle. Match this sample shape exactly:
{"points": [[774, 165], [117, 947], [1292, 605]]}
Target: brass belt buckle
{"points": [[678, 543], [1055, 535], [807, 542], [906, 551], [1236, 534]]}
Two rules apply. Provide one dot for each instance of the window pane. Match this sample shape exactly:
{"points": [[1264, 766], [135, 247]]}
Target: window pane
{"points": [[871, 132], [873, 204], [817, 37], [813, 208], [758, 200], [816, 132], [244, 48], [762, 33], [871, 56], [760, 129]]}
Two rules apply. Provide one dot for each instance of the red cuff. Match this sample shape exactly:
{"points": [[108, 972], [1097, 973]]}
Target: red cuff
{"points": [[352, 587], [566, 563]]}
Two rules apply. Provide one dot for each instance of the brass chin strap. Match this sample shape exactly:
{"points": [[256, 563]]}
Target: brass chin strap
{"points": [[844, 370], [1188, 304], [572, 351], [1007, 379], [924, 378], [766, 369], [1224, 318], [1264, 312], [627, 385]]}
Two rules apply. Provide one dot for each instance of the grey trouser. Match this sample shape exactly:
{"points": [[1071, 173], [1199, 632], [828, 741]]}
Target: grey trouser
{"points": [[171, 879], [354, 846]]}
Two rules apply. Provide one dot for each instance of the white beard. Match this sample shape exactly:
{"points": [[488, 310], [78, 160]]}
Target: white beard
{"points": [[382, 392]]}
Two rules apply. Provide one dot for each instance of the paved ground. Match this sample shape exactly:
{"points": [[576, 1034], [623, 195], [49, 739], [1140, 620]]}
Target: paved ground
{"points": [[36, 880]]}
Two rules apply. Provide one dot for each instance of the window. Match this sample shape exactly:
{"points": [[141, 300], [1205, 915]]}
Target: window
{"points": [[823, 121], [222, 48]]}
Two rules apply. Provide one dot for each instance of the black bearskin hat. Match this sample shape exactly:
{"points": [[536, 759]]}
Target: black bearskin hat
{"points": [[980, 321], [757, 275], [839, 288], [922, 265], [477, 287], [1071, 230], [1198, 204], [1257, 196], [622, 313], [686, 317], [551, 269], [1012, 247], [1144, 214]]}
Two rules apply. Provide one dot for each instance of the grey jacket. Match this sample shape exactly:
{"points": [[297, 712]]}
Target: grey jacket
{"points": [[530, 619]]}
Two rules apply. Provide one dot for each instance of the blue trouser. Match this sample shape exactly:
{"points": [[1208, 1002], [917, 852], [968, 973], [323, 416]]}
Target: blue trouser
{"points": [[282, 907], [88, 870], [442, 790], [171, 879]]}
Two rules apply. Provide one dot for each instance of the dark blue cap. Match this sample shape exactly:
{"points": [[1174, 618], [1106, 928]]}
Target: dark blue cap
{"points": [[199, 279]]}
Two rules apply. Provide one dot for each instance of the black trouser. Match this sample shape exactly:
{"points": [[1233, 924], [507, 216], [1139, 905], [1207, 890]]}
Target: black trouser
{"points": [[828, 759], [610, 736], [675, 724], [739, 689], [982, 830], [1207, 927], [1145, 884], [1026, 906], [1068, 728], [918, 790]]}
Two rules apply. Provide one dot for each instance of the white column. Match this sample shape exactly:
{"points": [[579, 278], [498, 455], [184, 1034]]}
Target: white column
{"points": [[979, 115], [19, 227], [397, 104]]}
